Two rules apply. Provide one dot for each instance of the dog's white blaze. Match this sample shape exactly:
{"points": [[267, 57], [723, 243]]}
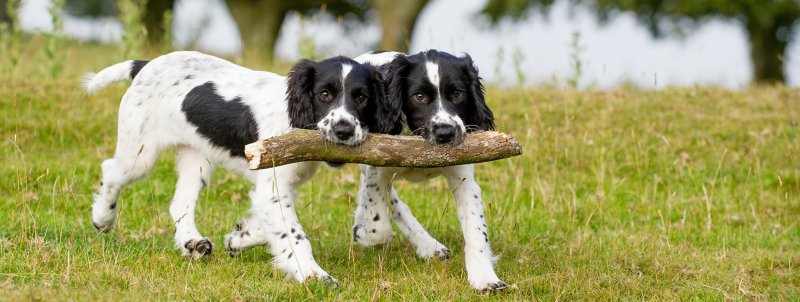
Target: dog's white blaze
{"points": [[432, 69], [346, 68], [341, 114], [442, 116]]}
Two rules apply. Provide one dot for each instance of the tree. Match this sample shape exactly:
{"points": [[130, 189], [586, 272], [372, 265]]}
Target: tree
{"points": [[5, 17], [769, 24], [260, 21], [153, 18], [398, 19]]}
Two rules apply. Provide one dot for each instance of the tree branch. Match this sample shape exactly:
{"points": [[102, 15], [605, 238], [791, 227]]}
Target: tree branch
{"points": [[380, 150]]}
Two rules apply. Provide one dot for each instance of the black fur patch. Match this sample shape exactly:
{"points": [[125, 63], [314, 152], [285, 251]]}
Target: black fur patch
{"points": [[227, 124], [137, 66]]}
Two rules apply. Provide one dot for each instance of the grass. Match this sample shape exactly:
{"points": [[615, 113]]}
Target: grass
{"points": [[679, 194]]}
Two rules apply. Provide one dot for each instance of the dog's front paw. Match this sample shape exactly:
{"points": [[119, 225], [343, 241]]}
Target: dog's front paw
{"points": [[494, 286], [442, 253], [433, 250], [104, 219], [303, 271], [196, 248], [488, 282], [329, 281]]}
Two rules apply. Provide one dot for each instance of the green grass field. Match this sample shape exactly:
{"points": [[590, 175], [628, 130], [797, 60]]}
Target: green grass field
{"points": [[687, 194]]}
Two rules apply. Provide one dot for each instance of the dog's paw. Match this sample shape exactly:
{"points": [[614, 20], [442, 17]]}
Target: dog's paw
{"points": [[196, 248], [104, 219], [488, 283], [432, 249], [102, 228], [494, 287], [329, 281], [442, 253]]}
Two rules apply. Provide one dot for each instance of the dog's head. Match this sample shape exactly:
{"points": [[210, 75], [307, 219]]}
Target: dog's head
{"points": [[341, 98], [442, 96]]}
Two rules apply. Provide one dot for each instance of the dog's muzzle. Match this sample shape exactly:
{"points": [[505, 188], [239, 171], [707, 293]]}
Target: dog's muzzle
{"points": [[444, 134], [342, 130]]}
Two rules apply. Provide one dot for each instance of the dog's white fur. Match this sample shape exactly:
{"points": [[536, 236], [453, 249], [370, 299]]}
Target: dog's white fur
{"points": [[372, 227], [151, 120]]}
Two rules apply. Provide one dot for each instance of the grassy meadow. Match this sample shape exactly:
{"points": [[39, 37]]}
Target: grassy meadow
{"points": [[689, 194]]}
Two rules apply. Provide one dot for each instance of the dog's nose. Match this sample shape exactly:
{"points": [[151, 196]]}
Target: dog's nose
{"points": [[343, 130], [444, 133]]}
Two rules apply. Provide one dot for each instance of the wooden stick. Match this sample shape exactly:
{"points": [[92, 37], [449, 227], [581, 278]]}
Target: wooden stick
{"points": [[380, 150]]}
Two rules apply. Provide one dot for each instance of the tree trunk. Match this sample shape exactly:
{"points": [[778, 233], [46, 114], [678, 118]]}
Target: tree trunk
{"points": [[259, 24], [397, 22], [766, 52], [380, 150], [153, 20], [5, 18]]}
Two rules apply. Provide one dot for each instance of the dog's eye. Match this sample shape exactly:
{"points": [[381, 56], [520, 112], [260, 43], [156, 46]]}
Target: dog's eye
{"points": [[419, 97], [324, 96], [457, 94], [361, 98]]}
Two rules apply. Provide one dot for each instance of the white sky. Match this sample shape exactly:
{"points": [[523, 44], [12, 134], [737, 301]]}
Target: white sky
{"points": [[620, 51]]}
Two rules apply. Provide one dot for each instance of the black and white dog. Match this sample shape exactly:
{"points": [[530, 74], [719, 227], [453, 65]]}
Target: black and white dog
{"points": [[208, 109], [442, 99]]}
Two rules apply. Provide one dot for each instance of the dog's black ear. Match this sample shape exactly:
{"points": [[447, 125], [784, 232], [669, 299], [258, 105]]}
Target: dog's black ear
{"points": [[299, 95], [481, 116], [395, 78], [387, 110]]}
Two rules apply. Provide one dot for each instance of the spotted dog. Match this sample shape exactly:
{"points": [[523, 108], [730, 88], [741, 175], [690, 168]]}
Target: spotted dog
{"points": [[207, 109], [442, 99]]}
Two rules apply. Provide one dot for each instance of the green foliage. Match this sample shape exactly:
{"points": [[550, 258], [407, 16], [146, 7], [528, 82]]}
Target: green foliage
{"points": [[769, 23], [134, 34], [500, 57], [515, 9], [167, 45], [575, 60], [357, 9], [665, 16], [91, 8], [306, 46], [54, 52], [10, 35], [518, 58]]}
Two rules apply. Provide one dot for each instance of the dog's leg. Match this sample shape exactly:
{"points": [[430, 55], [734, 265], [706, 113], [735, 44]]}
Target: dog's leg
{"points": [[372, 223], [427, 247], [134, 159], [194, 174], [273, 220], [469, 206]]}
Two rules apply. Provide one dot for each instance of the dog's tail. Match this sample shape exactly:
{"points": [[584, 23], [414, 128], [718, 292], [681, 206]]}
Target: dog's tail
{"points": [[123, 71]]}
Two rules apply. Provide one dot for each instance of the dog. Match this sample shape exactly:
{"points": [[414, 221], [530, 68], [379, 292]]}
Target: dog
{"points": [[208, 109], [442, 100]]}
